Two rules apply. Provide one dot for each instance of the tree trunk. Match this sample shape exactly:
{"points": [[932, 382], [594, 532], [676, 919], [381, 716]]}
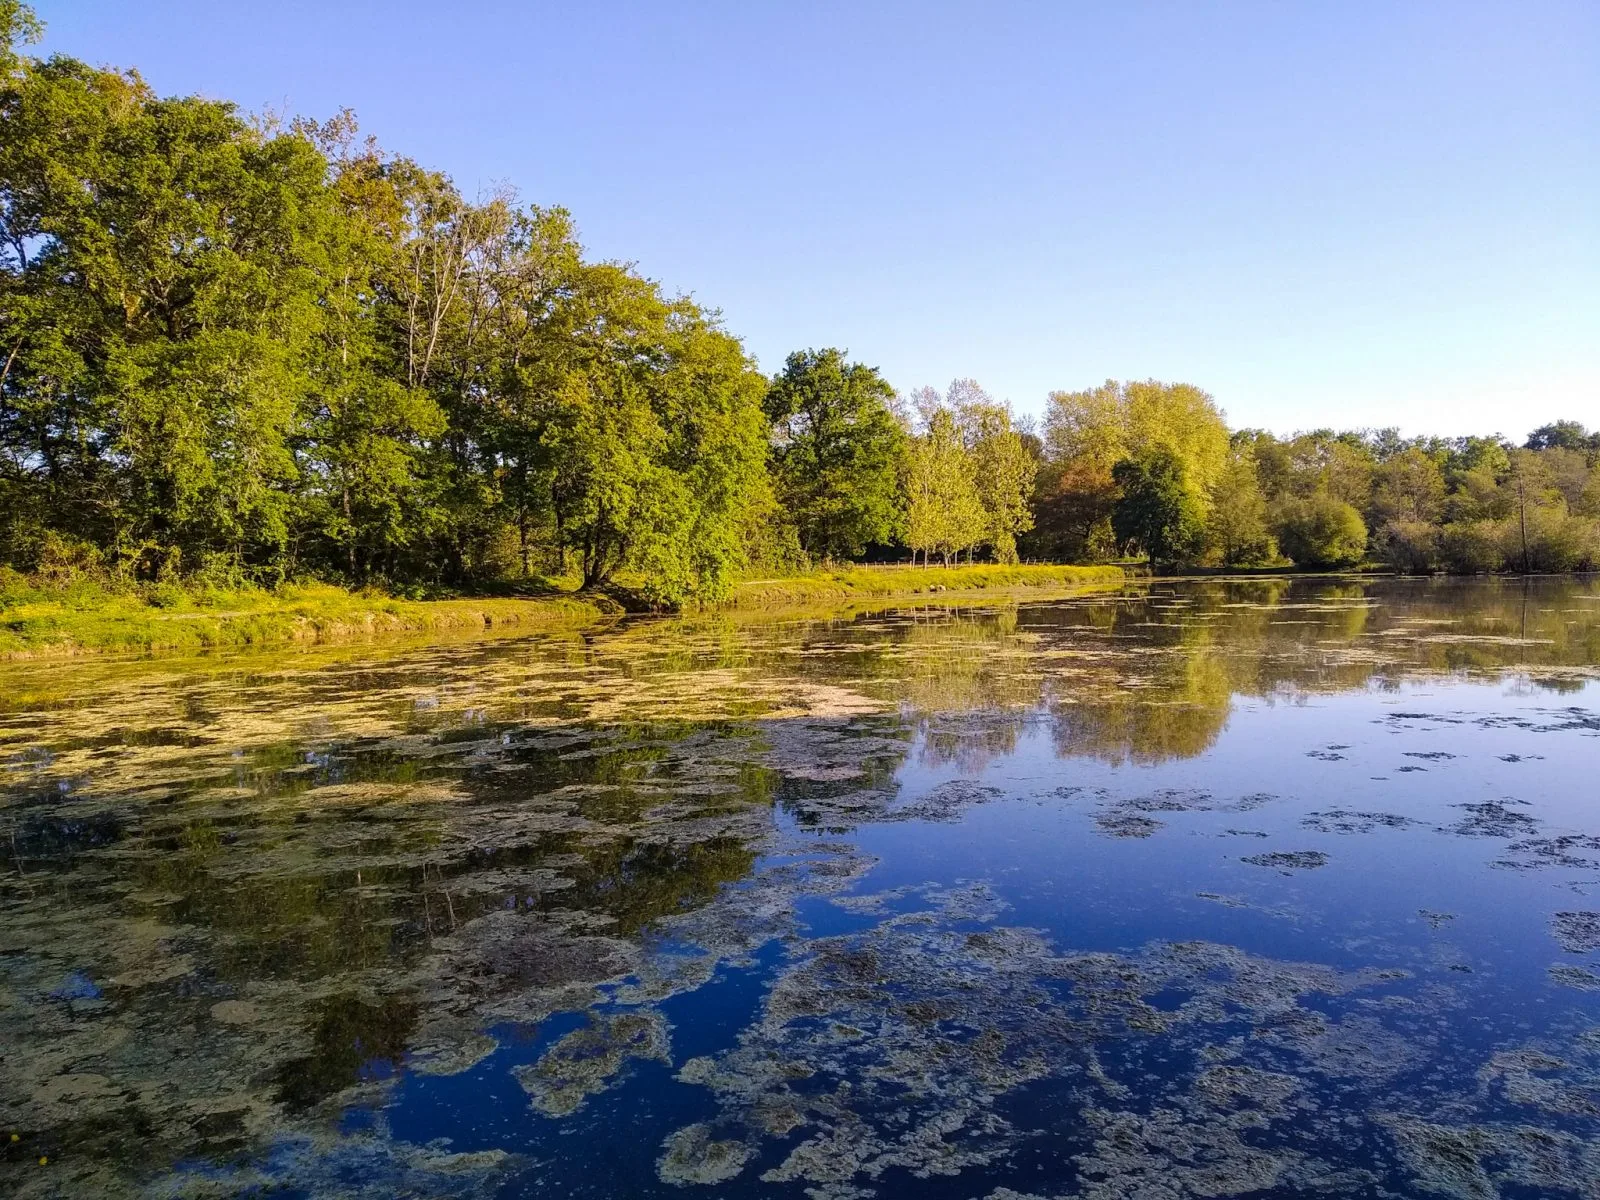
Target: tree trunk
{"points": [[350, 535], [1522, 507]]}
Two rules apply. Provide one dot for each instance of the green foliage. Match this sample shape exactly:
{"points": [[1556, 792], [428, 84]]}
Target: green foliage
{"points": [[1321, 532], [1157, 512], [944, 512], [1408, 487], [1088, 433], [228, 340], [1236, 527], [237, 353], [1565, 435], [1471, 547], [1071, 506], [1004, 467], [1122, 421], [1409, 545], [836, 452]]}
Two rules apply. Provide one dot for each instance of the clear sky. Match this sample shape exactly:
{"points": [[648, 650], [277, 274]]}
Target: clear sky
{"points": [[1331, 213]]}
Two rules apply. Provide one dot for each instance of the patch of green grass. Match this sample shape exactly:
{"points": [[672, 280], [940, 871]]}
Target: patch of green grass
{"points": [[85, 616]]}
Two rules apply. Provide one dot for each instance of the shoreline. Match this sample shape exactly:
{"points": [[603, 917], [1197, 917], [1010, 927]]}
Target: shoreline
{"points": [[315, 615], [303, 617]]}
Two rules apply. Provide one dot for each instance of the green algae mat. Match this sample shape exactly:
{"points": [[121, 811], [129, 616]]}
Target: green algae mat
{"points": [[1271, 888]]}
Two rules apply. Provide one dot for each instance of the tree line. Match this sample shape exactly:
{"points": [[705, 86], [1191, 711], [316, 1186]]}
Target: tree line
{"points": [[1143, 467], [239, 347]]}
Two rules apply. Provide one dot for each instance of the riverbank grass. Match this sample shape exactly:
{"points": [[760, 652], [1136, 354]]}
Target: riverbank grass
{"points": [[86, 615]]}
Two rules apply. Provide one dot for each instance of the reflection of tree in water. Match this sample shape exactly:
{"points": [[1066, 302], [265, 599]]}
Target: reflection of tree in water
{"points": [[349, 1036], [1175, 712], [257, 888], [973, 665], [269, 939], [1148, 672]]}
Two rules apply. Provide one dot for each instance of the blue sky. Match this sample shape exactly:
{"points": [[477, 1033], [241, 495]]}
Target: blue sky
{"points": [[1333, 213]]}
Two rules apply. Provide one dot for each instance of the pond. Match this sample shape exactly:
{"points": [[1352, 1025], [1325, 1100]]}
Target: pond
{"points": [[1273, 887]]}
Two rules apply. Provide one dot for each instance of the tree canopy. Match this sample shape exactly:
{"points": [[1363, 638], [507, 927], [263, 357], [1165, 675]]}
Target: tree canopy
{"points": [[836, 450], [235, 347]]}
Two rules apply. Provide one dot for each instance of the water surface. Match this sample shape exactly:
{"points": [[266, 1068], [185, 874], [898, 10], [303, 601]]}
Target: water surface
{"points": [[1279, 888]]}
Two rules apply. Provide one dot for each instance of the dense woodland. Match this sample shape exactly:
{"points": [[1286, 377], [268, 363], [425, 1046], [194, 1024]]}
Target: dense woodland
{"points": [[242, 349]]}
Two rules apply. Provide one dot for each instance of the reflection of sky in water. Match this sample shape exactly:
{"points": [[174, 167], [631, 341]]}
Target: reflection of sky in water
{"points": [[977, 910], [1405, 896]]}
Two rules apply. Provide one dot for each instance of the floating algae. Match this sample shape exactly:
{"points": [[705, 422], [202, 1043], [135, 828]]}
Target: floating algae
{"points": [[693, 1155], [1287, 861], [895, 1049], [1577, 932], [586, 1060], [318, 924], [1339, 820]]}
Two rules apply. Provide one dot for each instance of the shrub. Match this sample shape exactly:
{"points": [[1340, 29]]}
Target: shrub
{"points": [[1555, 542], [1321, 532], [1471, 547], [1409, 545], [164, 595]]}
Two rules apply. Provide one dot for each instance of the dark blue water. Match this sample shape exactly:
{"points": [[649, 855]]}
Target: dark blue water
{"points": [[1209, 890]]}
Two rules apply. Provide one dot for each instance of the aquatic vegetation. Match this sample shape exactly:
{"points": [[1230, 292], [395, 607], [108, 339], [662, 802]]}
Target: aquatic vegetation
{"points": [[1577, 932], [585, 1060], [1000, 901], [1287, 861]]}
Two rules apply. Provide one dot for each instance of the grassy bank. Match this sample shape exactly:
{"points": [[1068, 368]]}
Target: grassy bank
{"points": [[40, 620], [854, 584], [83, 618]]}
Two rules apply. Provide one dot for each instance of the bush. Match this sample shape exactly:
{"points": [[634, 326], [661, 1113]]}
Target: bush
{"points": [[165, 595], [1321, 532], [59, 559], [1471, 547], [1409, 545], [1556, 542]]}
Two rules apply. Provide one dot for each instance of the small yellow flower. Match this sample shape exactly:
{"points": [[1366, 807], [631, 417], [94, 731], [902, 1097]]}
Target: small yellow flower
{"points": [[15, 1138], [43, 1160]]}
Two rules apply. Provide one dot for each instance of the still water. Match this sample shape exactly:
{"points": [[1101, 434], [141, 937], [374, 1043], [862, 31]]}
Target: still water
{"points": [[1279, 888]]}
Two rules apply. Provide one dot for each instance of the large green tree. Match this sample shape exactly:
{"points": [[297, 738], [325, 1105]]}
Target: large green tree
{"points": [[944, 505], [1236, 526], [159, 310], [655, 440], [1004, 466], [1156, 511], [836, 452]]}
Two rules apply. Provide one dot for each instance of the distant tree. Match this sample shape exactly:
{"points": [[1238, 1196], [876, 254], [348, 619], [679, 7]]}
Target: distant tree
{"points": [[944, 512], [1156, 512], [1236, 527], [1473, 453], [1321, 531], [1566, 435], [1071, 509], [836, 452], [1004, 466], [1408, 486], [1118, 421], [1088, 433]]}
